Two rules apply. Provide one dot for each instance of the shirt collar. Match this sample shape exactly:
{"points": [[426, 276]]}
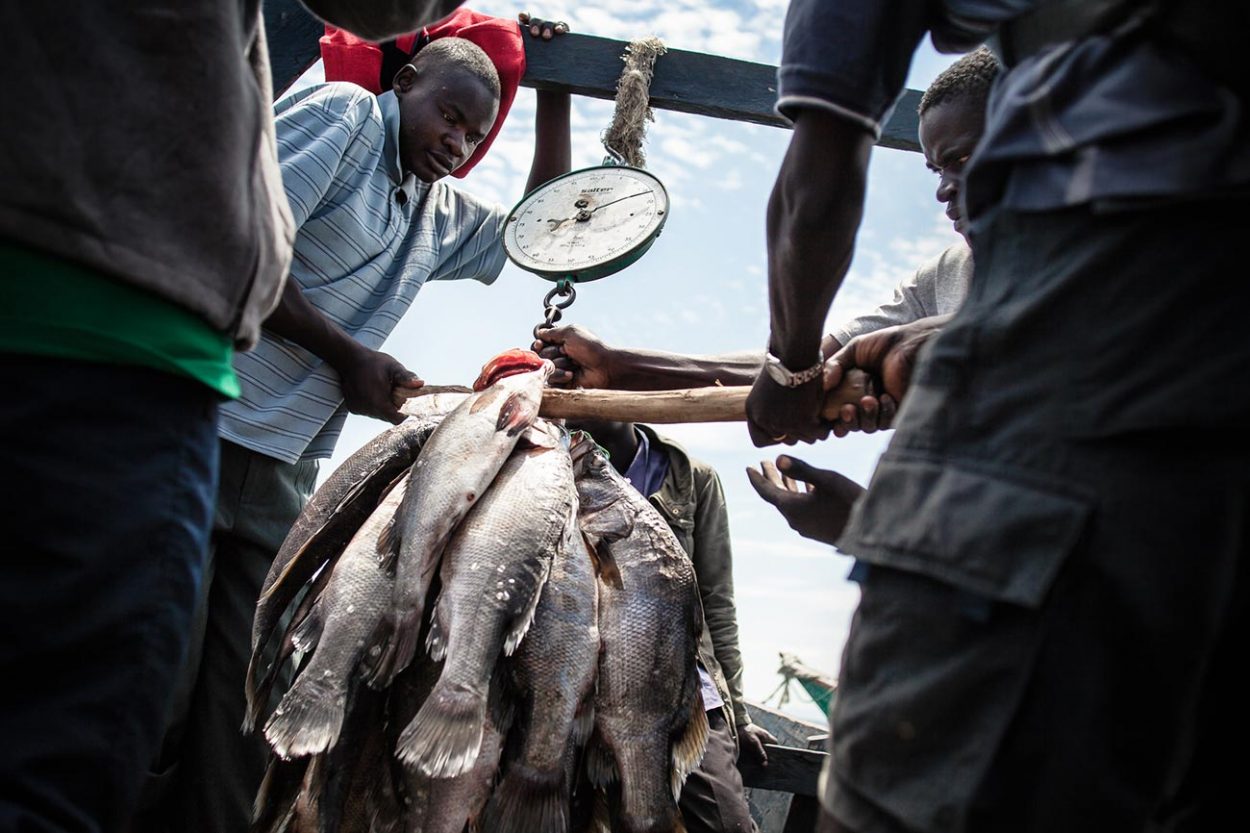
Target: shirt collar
{"points": [[388, 102]]}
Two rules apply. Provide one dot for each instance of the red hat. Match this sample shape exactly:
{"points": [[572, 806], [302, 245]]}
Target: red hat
{"points": [[373, 65]]}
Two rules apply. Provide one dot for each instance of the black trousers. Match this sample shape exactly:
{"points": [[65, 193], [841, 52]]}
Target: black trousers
{"points": [[105, 503]]}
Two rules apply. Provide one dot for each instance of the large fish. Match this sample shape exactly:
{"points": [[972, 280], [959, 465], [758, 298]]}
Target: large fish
{"points": [[332, 516], [454, 469], [445, 805], [650, 726], [554, 670], [492, 576], [350, 623]]}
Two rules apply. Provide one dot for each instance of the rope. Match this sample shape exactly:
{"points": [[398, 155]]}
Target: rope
{"points": [[633, 110]]}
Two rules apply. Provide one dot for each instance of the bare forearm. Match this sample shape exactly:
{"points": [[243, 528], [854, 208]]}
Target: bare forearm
{"points": [[657, 370], [297, 320], [552, 152], [813, 215], [378, 20]]}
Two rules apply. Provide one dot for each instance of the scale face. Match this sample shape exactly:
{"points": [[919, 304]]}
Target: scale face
{"points": [[586, 224]]}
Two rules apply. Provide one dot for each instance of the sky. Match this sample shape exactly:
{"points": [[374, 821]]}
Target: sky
{"points": [[702, 288]]}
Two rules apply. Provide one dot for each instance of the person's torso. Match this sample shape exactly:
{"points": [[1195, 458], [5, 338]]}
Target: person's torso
{"points": [[138, 147]]}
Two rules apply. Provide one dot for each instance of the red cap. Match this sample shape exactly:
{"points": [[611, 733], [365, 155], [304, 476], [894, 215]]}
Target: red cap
{"points": [[349, 58]]}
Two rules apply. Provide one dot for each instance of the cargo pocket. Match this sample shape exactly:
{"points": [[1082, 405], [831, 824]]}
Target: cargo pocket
{"points": [[960, 562]]}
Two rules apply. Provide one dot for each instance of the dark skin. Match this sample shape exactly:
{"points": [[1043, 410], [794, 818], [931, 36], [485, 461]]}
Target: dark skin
{"points": [[620, 439], [819, 509], [445, 113], [813, 216]]}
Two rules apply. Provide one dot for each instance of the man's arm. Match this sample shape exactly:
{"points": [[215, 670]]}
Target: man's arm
{"points": [[368, 378], [552, 151], [813, 215], [583, 360], [378, 20]]}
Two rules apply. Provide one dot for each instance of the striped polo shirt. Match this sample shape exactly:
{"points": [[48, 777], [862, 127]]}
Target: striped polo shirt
{"points": [[370, 235]]}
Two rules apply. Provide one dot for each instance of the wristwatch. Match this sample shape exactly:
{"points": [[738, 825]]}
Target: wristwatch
{"points": [[788, 378]]}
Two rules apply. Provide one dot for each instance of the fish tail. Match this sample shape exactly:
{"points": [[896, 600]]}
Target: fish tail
{"points": [[444, 739], [308, 719], [529, 800]]}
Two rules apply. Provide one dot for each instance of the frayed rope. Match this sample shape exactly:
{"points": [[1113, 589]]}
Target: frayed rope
{"points": [[629, 121]]}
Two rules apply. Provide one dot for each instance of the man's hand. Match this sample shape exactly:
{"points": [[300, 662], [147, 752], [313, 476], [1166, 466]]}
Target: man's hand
{"points": [[375, 384], [777, 414], [820, 510], [870, 414], [751, 739], [539, 28], [581, 359], [889, 355]]}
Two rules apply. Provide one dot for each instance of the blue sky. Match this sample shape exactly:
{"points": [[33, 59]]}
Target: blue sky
{"points": [[701, 289]]}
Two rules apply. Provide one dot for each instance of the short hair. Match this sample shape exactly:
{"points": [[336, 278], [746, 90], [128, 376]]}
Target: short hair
{"points": [[460, 54], [969, 78]]}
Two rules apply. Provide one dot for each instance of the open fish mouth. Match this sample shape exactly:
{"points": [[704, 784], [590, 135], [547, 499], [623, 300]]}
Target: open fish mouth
{"points": [[508, 363]]}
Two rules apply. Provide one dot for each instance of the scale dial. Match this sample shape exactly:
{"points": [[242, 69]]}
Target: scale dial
{"points": [[586, 224]]}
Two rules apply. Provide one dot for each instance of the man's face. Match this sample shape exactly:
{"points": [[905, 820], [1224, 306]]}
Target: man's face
{"points": [[949, 132], [444, 114]]}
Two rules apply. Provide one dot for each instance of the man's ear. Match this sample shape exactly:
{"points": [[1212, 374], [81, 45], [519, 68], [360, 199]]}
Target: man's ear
{"points": [[404, 79]]}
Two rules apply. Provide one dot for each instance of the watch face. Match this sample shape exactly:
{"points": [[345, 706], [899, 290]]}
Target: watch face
{"points": [[586, 219]]}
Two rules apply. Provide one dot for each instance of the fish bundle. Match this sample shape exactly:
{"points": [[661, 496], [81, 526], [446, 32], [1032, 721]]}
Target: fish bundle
{"points": [[493, 632]]}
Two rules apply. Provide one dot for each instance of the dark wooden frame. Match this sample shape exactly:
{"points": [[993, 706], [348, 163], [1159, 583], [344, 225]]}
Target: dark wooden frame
{"points": [[686, 82], [789, 770]]}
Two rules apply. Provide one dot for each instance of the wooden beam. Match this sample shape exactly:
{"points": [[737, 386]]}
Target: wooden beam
{"points": [[293, 34], [789, 770], [686, 82]]}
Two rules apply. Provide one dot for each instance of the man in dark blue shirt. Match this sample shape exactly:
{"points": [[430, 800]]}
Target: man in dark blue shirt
{"points": [[1050, 625]]}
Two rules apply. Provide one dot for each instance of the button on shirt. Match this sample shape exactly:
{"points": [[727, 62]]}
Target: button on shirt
{"points": [[370, 235], [1105, 119]]}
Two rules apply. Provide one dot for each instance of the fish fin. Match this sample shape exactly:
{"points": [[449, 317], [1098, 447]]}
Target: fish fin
{"points": [[387, 549], [307, 633], [538, 437], [435, 641], [400, 648], [600, 764], [605, 565], [689, 748], [517, 413], [583, 723], [444, 739], [484, 399], [528, 800], [275, 799], [521, 624], [309, 718], [257, 696], [600, 813]]}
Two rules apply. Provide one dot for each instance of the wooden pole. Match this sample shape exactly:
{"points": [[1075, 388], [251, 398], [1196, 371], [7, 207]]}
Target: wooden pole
{"points": [[666, 407]]}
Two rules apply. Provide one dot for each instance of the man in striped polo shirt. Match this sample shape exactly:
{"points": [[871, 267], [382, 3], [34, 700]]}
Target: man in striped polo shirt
{"points": [[362, 175]]}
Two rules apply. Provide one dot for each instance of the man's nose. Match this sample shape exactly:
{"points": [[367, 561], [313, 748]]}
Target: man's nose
{"points": [[948, 187], [457, 142]]}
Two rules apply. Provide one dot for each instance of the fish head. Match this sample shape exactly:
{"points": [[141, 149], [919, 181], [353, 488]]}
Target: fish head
{"points": [[603, 511], [510, 363]]}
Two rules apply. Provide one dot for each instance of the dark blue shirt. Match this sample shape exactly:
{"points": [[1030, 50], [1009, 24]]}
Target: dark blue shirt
{"points": [[1111, 119]]}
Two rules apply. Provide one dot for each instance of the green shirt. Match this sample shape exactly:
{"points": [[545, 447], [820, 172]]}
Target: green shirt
{"points": [[53, 307]]}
